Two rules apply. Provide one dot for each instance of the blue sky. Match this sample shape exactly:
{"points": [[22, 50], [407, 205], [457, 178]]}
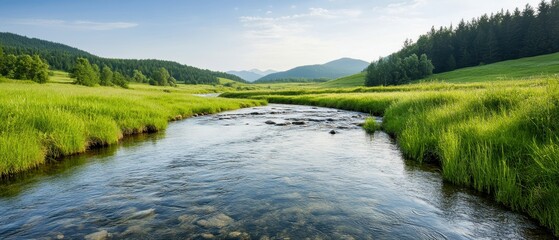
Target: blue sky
{"points": [[239, 35]]}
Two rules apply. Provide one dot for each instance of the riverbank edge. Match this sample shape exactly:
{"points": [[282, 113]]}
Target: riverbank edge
{"points": [[544, 209], [126, 131]]}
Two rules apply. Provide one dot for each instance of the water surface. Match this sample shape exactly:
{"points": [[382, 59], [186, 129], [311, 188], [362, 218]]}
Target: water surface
{"points": [[232, 175]]}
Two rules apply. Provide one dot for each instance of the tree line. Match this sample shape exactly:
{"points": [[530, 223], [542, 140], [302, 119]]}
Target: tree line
{"points": [[486, 39], [24, 67], [491, 38], [88, 74], [394, 70], [62, 57]]}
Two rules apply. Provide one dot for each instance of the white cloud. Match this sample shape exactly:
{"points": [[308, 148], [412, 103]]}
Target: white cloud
{"points": [[78, 25], [284, 37]]}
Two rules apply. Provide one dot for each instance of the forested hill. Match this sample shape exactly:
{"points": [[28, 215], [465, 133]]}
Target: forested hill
{"points": [[330, 70], [63, 57], [500, 36]]}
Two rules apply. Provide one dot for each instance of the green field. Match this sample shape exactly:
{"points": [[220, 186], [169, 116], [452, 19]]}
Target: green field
{"points": [[41, 121], [60, 77], [355, 80], [493, 128], [524, 68]]}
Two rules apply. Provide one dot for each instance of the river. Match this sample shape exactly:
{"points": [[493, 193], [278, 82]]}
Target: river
{"points": [[232, 175]]}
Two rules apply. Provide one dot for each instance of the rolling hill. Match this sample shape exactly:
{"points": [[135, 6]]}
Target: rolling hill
{"points": [[251, 75], [507, 70], [63, 57], [330, 70]]}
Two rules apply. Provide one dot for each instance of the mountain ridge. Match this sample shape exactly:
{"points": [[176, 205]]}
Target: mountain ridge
{"points": [[329, 70], [251, 75], [63, 57]]}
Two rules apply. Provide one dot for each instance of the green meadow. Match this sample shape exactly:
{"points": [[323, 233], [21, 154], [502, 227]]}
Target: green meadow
{"points": [[524, 68], [493, 128], [44, 121]]}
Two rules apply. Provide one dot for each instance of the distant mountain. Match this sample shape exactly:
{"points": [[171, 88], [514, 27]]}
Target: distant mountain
{"points": [[251, 75], [63, 57], [330, 70], [263, 73]]}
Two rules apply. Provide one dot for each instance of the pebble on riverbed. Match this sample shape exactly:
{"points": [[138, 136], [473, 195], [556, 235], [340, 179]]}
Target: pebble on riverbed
{"points": [[142, 214], [238, 235], [101, 235], [217, 221], [208, 236]]}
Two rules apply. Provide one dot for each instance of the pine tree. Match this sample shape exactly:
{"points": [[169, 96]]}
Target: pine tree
{"points": [[554, 26], [451, 63]]}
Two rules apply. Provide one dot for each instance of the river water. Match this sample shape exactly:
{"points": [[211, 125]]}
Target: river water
{"points": [[234, 176]]}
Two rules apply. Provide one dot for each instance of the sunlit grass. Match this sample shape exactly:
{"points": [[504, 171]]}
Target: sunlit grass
{"points": [[355, 80], [52, 120], [497, 137], [60, 77]]}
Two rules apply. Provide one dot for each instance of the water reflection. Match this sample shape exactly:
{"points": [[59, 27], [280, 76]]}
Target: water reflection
{"points": [[235, 176]]}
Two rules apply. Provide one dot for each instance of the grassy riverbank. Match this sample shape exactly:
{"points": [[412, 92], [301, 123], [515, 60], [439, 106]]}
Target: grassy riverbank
{"points": [[41, 121], [497, 138]]}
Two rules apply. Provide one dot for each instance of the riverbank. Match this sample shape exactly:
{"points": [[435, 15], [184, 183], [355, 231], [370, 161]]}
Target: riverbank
{"points": [[46, 121], [498, 139], [231, 175]]}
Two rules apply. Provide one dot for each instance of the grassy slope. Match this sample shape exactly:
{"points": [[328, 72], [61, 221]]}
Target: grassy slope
{"points": [[51, 120], [508, 70], [355, 80], [500, 138], [532, 67]]}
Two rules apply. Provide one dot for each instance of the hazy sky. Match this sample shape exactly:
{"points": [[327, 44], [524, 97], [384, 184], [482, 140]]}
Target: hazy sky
{"points": [[239, 35]]}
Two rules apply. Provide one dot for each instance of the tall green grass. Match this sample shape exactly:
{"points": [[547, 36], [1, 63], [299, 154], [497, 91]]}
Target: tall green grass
{"points": [[500, 139], [52, 120]]}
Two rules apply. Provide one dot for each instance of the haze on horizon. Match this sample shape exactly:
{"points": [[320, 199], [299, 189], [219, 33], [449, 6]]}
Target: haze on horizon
{"points": [[239, 35]]}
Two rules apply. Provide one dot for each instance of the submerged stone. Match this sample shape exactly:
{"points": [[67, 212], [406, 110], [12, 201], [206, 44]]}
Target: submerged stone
{"points": [[207, 236], [187, 218], [333, 131], [142, 214], [217, 221], [101, 235]]}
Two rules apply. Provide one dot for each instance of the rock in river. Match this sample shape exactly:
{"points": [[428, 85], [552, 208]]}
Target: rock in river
{"points": [[208, 236], [218, 221], [298, 123], [101, 235], [270, 122], [333, 131], [143, 214]]}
